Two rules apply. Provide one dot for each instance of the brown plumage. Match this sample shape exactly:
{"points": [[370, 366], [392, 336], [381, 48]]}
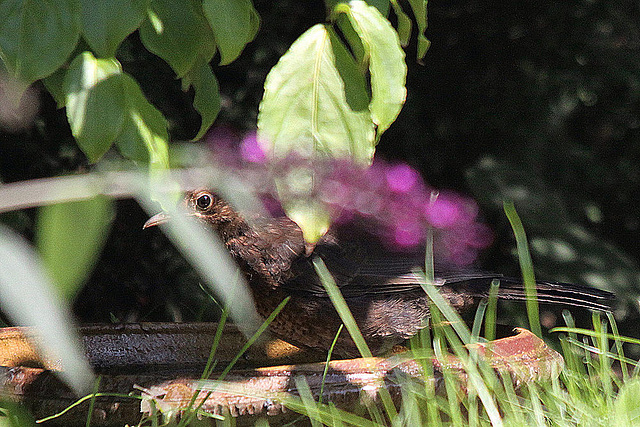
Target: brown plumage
{"points": [[379, 286]]}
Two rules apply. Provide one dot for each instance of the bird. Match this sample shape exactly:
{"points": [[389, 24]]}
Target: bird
{"points": [[379, 286]]}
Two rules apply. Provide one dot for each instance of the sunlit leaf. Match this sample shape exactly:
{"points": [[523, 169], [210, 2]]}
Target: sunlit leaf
{"points": [[386, 63], [37, 36], [95, 103], [404, 23], [304, 109], [176, 31], [419, 8], [69, 239], [28, 299], [105, 24], [315, 105], [234, 23]]}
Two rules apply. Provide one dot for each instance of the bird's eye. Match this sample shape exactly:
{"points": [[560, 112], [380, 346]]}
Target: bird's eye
{"points": [[203, 202]]}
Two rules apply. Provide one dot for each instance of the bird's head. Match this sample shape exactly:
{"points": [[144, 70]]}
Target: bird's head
{"points": [[204, 205]]}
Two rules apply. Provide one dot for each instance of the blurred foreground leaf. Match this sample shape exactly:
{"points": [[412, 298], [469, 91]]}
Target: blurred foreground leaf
{"points": [[28, 299], [69, 239]]}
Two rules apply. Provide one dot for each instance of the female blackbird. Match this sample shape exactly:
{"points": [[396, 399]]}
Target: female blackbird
{"points": [[379, 286]]}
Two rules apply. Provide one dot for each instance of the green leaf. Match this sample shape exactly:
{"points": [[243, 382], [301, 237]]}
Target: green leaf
{"points": [[419, 8], [304, 108], [315, 105], [55, 85], [353, 39], [69, 238], [313, 218], [404, 23], [234, 23], [386, 63], [105, 24], [381, 5], [144, 134], [95, 103], [207, 94], [177, 32], [28, 300], [37, 36], [106, 106]]}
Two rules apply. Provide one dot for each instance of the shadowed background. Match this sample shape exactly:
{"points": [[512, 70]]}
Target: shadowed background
{"points": [[536, 102]]}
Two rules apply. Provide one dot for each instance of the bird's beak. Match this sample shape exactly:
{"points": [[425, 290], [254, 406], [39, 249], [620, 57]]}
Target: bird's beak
{"points": [[156, 220]]}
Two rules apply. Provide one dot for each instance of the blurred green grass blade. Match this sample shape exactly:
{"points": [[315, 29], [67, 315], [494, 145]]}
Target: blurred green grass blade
{"points": [[28, 299], [350, 323], [492, 310], [477, 320], [591, 333], [526, 265], [310, 406], [263, 327], [447, 311], [341, 307], [429, 263], [69, 238], [461, 336], [618, 343]]}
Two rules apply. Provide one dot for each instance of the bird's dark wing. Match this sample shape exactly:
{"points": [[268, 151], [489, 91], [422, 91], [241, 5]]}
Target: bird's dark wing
{"points": [[358, 270]]}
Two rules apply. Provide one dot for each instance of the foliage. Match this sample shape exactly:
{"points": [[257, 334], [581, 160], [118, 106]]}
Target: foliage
{"points": [[335, 112]]}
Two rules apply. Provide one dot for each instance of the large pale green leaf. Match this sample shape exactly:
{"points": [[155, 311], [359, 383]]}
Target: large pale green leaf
{"points": [[176, 31], [316, 106], [69, 239], [207, 94], [95, 103], [386, 63], [28, 299], [305, 109], [37, 36], [234, 23], [105, 24]]}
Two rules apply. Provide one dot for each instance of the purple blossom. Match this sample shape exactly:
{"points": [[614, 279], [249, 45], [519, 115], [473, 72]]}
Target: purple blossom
{"points": [[250, 149], [390, 200], [401, 177]]}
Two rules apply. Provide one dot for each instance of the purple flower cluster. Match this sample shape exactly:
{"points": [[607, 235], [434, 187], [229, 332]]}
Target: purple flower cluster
{"points": [[390, 199]]}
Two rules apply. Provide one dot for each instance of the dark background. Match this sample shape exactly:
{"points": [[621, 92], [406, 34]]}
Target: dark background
{"points": [[531, 101]]}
